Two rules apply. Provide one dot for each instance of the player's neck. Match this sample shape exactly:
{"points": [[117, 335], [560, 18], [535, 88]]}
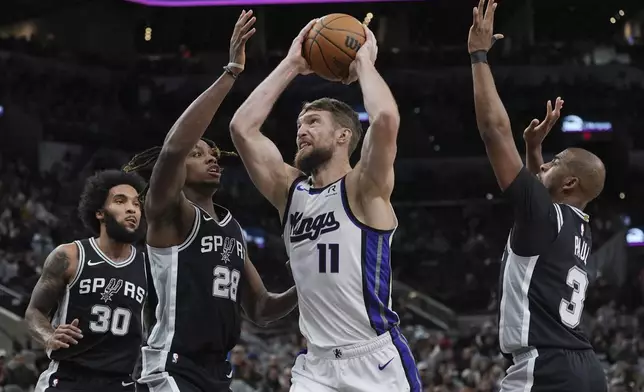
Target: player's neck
{"points": [[202, 200], [572, 201], [329, 173], [116, 251]]}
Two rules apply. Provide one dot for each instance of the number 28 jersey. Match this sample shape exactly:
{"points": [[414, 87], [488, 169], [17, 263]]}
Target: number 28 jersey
{"points": [[107, 298], [342, 268]]}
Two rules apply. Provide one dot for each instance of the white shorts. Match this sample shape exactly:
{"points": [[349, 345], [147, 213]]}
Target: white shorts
{"points": [[384, 364]]}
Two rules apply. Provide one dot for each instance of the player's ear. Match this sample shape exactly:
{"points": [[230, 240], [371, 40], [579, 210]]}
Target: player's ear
{"points": [[345, 136], [100, 215], [570, 183]]}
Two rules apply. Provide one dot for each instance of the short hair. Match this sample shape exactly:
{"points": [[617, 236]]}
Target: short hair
{"points": [[342, 114], [96, 190]]}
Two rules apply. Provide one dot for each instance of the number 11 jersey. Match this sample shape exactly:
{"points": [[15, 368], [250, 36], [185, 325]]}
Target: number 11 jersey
{"points": [[342, 267]]}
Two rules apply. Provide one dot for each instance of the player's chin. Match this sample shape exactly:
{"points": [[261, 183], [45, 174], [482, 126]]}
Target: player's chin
{"points": [[212, 180]]}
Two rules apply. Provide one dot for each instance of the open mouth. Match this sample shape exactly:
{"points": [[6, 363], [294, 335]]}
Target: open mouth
{"points": [[131, 220], [302, 145]]}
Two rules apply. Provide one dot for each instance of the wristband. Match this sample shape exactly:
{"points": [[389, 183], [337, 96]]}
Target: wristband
{"points": [[230, 72], [480, 56], [236, 65]]}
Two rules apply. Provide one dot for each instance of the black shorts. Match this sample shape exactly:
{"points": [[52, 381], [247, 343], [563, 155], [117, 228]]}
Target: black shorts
{"points": [[188, 376], [555, 370], [74, 379]]}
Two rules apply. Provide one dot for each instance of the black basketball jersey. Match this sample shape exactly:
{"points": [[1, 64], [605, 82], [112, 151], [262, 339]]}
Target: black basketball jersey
{"points": [[107, 299], [544, 275], [199, 291]]}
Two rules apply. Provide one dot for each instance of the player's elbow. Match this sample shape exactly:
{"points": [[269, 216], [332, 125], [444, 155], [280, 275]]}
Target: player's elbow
{"points": [[388, 119], [239, 127], [492, 133]]}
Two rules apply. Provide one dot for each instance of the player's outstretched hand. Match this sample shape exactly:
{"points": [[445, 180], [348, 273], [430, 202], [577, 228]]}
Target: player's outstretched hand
{"points": [[482, 35], [243, 31], [294, 55], [537, 131], [64, 336], [367, 52]]}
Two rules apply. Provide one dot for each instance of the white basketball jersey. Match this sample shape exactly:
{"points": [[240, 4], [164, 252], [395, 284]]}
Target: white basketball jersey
{"points": [[341, 267]]}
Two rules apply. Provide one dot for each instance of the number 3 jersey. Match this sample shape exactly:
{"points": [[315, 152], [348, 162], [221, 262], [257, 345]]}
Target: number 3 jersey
{"points": [[341, 267], [107, 298], [542, 296]]}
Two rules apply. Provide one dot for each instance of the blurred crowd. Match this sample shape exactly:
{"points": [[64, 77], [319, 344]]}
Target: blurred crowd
{"points": [[452, 226]]}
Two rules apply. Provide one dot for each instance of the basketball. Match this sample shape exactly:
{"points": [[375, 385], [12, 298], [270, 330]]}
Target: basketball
{"points": [[331, 45]]}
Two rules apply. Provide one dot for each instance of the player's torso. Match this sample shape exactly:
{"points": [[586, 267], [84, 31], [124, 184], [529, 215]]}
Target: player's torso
{"points": [[341, 268], [199, 286], [555, 282], [107, 298]]}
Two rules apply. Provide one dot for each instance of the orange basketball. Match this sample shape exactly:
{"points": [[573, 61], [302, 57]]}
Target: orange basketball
{"points": [[332, 44]]}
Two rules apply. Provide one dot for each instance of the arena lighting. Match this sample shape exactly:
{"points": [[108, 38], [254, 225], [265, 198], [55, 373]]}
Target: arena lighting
{"points": [[572, 123], [635, 237], [204, 3]]}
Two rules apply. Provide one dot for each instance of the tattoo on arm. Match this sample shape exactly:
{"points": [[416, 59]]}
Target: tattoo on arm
{"points": [[48, 291]]}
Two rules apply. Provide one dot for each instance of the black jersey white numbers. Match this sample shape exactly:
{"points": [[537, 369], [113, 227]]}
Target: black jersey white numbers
{"points": [[544, 275], [199, 287], [107, 298]]}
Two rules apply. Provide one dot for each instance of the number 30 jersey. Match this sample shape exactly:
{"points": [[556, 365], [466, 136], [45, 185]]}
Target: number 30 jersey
{"points": [[341, 267], [107, 298]]}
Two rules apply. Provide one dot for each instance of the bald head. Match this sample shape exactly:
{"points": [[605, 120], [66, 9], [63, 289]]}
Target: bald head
{"points": [[589, 170]]}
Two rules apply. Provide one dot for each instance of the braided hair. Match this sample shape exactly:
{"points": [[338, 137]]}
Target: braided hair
{"points": [[143, 162]]}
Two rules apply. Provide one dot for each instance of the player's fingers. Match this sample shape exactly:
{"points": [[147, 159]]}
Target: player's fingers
{"points": [[61, 337], [480, 10], [548, 109], [558, 104], [306, 29], [75, 322], [531, 127], [244, 18], [76, 333], [56, 344], [241, 16], [489, 12], [498, 37], [248, 24], [249, 34]]}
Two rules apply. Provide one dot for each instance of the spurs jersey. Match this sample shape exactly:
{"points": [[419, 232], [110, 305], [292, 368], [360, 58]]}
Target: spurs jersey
{"points": [[107, 298], [341, 267], [544, 272], [198, 287]]}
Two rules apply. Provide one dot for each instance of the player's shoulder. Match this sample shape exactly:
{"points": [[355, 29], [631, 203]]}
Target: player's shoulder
{"points": [[69, 250], [573, 212]]}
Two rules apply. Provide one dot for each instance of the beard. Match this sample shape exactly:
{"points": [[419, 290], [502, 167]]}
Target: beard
{"points": [[119, 233], [310, 162]]}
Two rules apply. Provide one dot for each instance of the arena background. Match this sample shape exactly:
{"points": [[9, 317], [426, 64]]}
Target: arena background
{"points": [[85, 84]]}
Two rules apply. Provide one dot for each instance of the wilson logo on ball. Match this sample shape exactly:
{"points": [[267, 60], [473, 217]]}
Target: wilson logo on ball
{"points": [[352, 43]]}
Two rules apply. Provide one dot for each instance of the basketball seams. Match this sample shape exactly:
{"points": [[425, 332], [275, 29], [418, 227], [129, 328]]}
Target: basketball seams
{"points": [[324, 59], [326, 48], [351, 57], [324, 23]]}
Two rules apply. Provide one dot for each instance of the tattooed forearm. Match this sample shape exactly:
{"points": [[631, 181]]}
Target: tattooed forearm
{"points": [[48, 291]]}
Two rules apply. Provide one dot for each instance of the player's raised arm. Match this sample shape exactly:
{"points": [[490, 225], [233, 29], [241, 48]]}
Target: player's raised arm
{"points": [[168, 175], [492, 119], [376, 166], [536, 132], [262, 159], [260, 306], [58, 270]]}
